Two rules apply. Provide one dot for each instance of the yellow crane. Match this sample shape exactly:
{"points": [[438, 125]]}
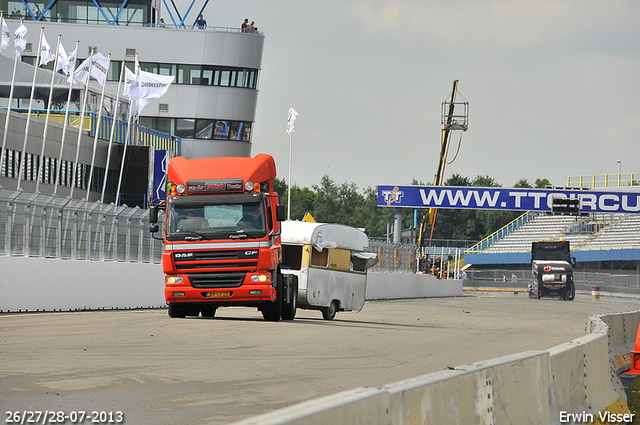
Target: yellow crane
{"points": [[450, 121]]}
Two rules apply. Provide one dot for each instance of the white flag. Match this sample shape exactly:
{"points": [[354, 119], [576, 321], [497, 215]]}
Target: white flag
{"points": [[46, 55], [6, 37], [153, 86], [291, 119], [20, 41], [98, 69], [69, 63], [130, 85]]}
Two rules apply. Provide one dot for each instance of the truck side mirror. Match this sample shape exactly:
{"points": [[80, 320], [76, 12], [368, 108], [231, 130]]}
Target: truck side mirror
{"points": [[154, 228], [280, 212], [153, 214]]}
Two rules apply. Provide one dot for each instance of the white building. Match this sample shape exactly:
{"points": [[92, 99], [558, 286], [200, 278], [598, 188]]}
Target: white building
{"points": [[210, 106]]}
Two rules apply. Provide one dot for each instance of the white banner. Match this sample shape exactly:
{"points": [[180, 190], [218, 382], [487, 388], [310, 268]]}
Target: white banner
{"points": [[98, 69], [20, 41], [46, 55], [291, 119], [6, 36]]}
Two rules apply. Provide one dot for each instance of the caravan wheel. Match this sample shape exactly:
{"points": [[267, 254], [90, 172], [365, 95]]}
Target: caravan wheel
{"points": [[328, 313]]}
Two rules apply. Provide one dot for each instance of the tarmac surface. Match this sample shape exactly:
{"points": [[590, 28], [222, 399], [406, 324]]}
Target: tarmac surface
{"points": [[157, 370]]}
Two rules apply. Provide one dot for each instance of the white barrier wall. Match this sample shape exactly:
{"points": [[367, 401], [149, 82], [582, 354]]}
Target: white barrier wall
{"points": [[389, 286], [48, 284], [573, 383]]}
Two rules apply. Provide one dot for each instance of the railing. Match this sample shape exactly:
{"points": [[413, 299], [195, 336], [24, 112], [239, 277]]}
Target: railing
{"points": [[504, 231], [34, 225], [141, 136], [604, 180]]}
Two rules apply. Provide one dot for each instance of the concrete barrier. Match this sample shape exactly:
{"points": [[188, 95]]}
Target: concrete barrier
{"points": [[48, 284], [389, 286], [575, 382]]}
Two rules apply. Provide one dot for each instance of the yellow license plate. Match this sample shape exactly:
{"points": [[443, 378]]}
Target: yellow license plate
{"points": [[219, 294]]}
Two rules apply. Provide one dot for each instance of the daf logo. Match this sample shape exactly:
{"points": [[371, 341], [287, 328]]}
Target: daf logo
{"points": [[184, 254], [250, 253]]}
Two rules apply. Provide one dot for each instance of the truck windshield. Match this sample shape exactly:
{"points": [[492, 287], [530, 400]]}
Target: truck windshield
{"points": [[192, 221]]}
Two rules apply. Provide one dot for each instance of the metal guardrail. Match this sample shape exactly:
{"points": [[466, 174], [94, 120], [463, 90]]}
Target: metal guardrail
{"points": [[47, 226]]}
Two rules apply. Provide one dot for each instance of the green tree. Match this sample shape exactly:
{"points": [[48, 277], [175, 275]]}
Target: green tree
{"points": [[542, 183], [522, 183]]}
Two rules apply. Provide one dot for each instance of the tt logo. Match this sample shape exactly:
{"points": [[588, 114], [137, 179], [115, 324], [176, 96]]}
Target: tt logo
{"points": [[391, 196]]}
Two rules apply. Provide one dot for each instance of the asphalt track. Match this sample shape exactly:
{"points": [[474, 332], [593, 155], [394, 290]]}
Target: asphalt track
{"points": [[158, 370]]}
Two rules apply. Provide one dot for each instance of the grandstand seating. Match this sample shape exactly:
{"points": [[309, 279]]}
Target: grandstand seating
{"points": [[592, 232]]}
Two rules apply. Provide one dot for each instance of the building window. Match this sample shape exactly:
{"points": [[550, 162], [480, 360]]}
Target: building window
{"points": [[221, 131], [204, 129], [185, 127]]}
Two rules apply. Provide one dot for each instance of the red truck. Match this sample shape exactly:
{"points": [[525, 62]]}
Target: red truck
{"points": [[222, 238]]}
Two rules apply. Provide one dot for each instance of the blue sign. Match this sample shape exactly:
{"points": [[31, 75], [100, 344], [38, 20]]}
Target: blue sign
{"points": [[160, 164], [498, 198]]}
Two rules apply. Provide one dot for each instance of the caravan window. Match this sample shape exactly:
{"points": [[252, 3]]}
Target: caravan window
{"points": [[291, 257], [319, 258]]}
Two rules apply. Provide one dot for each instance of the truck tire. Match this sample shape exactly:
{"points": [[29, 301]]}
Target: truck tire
{"points": [[208, 311], [328, 313], [289, 309], [573, 293], [272, 311], [177, 311]]}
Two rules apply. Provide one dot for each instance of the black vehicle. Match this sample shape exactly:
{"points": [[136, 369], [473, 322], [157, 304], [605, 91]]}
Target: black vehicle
{"points": [[552, 268]]}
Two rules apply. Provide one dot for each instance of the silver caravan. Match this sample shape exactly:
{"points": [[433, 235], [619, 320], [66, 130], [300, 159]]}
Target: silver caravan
{"points": [[330, 261]]}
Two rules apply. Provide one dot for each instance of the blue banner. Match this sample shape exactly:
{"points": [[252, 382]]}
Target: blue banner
{"points": [[160, 163], [498, 198]]}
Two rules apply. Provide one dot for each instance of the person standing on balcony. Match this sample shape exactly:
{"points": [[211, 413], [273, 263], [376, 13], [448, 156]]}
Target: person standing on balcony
{"points": [[201, 23]]}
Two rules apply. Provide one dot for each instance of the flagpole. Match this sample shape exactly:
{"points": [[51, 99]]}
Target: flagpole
{"points": [[113, 130], [95, 138], [23, 162], [84, 108], [64, 126], [289, 185], [46, 120], [6, 121], [126, 139]]}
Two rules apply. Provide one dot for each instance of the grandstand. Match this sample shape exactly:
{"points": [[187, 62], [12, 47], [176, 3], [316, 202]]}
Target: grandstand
{"points": [[594, 238]]}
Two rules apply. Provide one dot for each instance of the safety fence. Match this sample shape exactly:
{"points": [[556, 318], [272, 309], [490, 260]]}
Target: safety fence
{"points": [[47, 226], [618, 282], [405, 258]]}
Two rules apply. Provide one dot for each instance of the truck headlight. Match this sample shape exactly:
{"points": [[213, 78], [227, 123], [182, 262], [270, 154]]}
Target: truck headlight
{"points": [[260, 278], [173, 279], [248, 186], [181, 188]]}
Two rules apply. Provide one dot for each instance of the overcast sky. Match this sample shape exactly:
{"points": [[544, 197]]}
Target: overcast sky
{"points": [[553, 87]]}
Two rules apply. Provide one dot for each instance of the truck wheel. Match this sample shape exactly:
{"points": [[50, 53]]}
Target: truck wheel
{"points": [[272, 311], [208, 311], [289, 309], [328, 313], [177, 311]]}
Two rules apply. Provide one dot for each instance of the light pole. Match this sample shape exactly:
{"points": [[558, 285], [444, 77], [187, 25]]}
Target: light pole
{"points": [[619, 166]]}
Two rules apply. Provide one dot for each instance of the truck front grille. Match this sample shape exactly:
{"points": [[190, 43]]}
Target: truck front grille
{"points": [[216, 280]]}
